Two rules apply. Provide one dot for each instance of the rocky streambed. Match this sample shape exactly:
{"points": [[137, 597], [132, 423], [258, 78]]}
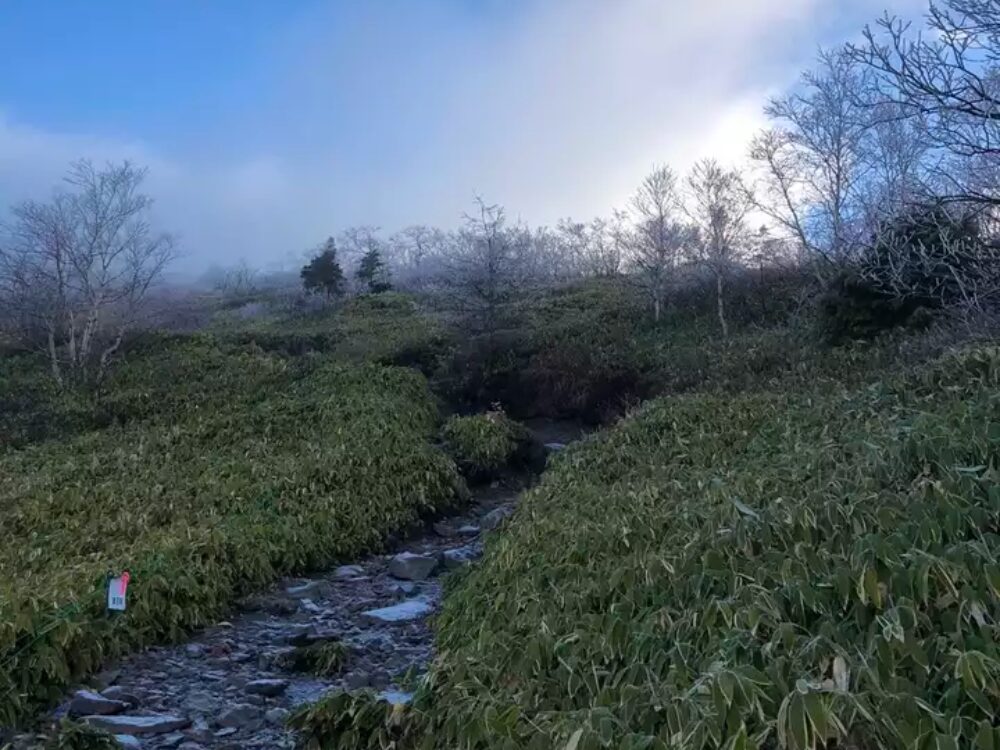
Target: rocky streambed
{"points": [[233, 685]]}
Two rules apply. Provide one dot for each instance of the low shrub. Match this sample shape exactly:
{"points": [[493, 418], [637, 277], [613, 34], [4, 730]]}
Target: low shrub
{"points": [[74, 735], [246, 467], [484, 444], [351, 721], [323, 658], [757, 570]]}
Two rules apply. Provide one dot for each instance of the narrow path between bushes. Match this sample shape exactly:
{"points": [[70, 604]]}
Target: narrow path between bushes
{"points": [[233, 685]]}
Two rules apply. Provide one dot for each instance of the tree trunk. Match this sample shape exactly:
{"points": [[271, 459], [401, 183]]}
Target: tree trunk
{"points": [[720, 306], [656, 306], [54, 357]]}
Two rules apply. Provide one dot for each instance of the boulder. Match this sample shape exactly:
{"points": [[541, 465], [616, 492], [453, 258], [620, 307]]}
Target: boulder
{"points": [[138, 725], [88, 703], [118, 693], [412, 567]]}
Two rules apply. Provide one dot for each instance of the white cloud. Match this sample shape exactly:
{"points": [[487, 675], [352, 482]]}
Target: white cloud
{"points": [[558, 111]]}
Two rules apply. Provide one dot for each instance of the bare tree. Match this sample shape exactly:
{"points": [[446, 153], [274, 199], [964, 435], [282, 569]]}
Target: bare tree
{"points": [[951, 80], [77, 269], [717, 205], [481, 270], [414, 254], [810, 164], [658, 237], [239, 281]]}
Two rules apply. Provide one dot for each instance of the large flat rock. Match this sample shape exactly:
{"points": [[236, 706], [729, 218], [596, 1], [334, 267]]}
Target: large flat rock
{"points": [[138, 725], [406, 611]]}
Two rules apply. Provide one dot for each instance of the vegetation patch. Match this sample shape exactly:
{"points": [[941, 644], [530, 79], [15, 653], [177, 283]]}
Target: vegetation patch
{"points": [[351, 721], [323, 658], [221, 469], [750, 570], [484, 444]]}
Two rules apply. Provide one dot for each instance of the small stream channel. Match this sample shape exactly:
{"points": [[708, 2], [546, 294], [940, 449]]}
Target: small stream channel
{"points": [[227, 686]]}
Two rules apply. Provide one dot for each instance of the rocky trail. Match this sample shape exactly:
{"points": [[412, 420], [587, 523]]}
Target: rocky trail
{"points": [[233, 685]]}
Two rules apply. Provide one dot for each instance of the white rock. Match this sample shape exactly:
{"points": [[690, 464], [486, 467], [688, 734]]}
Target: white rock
{"points": [[128, 741], [411, 609]]}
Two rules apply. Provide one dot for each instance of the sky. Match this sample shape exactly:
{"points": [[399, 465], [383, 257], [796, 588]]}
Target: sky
{"points": [[268, 125]]}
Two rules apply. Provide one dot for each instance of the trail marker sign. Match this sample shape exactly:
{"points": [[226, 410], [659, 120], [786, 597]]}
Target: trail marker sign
{"points": [[117, 590]]}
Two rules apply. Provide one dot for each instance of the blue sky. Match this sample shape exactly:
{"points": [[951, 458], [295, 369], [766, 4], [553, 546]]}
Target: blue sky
{"points": [[267, 125]]}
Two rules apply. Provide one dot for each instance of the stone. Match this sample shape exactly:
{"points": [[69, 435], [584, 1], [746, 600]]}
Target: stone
{"points": [[227, 732], [357, 680], [441, 528], [238, 716], [303, 590], [128, 742], [468, 530], [171, 740], [118, 693], [405, 587], [277, 716], [201, 702], [106, 678], [190, 746], [495, 517], [412, 567], [200, 731], [194, 649], [87, 703], [405, 611], [461, 556], [138, 725], [347, 572], [268, 687], [555, 447]]}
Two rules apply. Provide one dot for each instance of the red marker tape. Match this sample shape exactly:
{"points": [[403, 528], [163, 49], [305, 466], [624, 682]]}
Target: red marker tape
{"points": [[125, 578]]}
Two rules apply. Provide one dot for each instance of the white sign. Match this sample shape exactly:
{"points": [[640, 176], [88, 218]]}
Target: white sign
{"points": [[117, 588]]}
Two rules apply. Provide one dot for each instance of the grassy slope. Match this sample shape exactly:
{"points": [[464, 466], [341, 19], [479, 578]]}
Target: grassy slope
{"points": [[745, 570], [221, 468]]}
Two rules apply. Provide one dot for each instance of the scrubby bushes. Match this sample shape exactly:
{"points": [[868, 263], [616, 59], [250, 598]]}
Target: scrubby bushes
{"points": [[485, 444], [221, 470], [744, 571]]}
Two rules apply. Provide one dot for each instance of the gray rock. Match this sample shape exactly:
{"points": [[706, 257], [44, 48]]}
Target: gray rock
{"points": [[347, 572], [277, 716], [87, 703], [411, 567], [171, 740], [227, 732], [405, 587], [461, 556], [495, 517], [118, 693], [200, 731], [445, 529], [106, 678], [555, 447], [406, 611], [268, 687], [128, 742], [238, 716], [303, 590], [194, 649], [201, 702], [357, 680], [190, 746], [468, 530], [138, 725]]}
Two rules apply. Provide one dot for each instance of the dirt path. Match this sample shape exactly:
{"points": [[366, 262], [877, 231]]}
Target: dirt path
{"points": [[230, 686]]}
